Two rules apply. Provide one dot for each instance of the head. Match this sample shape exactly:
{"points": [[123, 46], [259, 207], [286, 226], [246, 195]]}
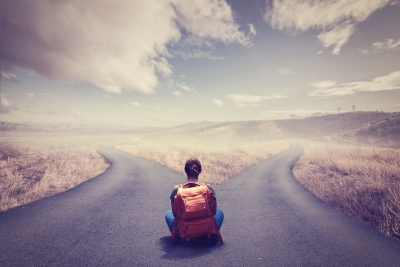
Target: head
{"points": [[192, 168]]}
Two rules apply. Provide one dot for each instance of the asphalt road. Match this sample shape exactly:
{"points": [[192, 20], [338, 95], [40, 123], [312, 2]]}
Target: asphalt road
{"points": [[117, 219]]}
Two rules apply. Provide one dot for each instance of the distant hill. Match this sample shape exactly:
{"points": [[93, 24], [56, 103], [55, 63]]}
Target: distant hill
{"points": [[245, 131], [378, 127], [49, 127], [192, 125], [10, 126], [329, 124], [64, 127], [380, 132], [97, 128], [225, 132]]}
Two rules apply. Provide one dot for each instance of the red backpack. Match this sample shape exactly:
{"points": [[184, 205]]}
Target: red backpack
{"points": [[193, 213]]}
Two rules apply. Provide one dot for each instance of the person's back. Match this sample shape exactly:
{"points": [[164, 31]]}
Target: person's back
{"points": [[193, 206]]}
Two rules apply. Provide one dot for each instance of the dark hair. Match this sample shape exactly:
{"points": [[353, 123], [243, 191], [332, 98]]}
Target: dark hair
{"points": [[193, 167]]}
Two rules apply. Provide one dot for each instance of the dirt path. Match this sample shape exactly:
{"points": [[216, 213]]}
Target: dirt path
{"points": [[117, 219]]}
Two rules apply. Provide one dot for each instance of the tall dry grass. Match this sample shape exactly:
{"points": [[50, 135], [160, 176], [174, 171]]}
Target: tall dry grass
{"points": [[31, 173], [218, 162], [361, 181]]}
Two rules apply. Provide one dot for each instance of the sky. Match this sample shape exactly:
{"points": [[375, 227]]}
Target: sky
{"points": [[163, 63]]}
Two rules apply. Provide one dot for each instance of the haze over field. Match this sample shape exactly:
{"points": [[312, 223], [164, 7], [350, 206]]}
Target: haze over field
{"points": [[166, 63]]}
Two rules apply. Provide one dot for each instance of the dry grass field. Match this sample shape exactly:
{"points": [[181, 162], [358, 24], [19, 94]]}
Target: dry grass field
{"points": [[218, 162], [40, 164], [37, 165], [361, 181]]}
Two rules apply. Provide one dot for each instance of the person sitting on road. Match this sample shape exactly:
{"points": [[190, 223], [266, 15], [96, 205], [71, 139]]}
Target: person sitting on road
{"points": [[192, 170]]}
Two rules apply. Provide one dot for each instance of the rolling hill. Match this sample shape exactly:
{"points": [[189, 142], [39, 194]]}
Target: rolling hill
{"points": [[367, 127], [345, 125], [95, 128]]}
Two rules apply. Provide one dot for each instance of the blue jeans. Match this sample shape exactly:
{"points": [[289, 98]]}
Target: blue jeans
{"points": [[170, 219]]}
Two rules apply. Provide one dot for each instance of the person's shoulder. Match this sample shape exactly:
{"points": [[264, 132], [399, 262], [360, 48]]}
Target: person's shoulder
{"points": [[209, 186], [175, 189], [174, 192]]}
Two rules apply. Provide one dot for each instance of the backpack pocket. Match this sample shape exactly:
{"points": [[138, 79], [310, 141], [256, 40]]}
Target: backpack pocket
{"points": [[196, 228], [196, 207]]}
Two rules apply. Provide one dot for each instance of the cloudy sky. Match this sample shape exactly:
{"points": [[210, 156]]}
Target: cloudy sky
{"points": [[164, 63]]}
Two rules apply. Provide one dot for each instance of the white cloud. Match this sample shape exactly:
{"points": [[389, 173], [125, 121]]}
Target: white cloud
{"points": [[251, 100], [7, 76], [6, 105], [334, 19], [390, 44], [134, 104], [177, 93], [53, 112], [207, 20], [185, 87], [218, 102], [337, 36], [362, 51], [50, 95], [320, 52], [197, 53], [331, 88], [252, 29], [277, 96], [112, 46], [183, 76], [29, 95], [163, 67], [323, 84], [131, 104], [283, 71]]}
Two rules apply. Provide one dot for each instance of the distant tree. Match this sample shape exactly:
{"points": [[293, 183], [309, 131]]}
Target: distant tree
{"points": [[338, 109], [354, 108]]}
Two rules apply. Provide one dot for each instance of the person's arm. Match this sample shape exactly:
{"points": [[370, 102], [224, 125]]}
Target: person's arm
{"points": [[214, 208], [214, 203], [174, 191], [173, 209]]}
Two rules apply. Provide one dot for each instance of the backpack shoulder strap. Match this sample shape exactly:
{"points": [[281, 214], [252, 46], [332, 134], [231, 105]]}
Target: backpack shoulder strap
{"points": [[182, 185], [185, 185]]}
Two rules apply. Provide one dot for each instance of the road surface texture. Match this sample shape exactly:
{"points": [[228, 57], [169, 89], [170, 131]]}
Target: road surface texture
{"points": [[117, 219]]}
